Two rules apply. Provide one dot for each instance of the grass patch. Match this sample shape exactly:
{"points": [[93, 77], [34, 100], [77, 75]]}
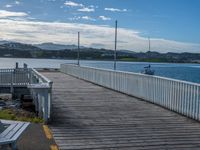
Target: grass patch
{"points": [[9, 114]]}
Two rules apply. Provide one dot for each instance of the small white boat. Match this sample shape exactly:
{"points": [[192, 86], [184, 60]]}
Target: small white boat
{"points": [[147, 69]]}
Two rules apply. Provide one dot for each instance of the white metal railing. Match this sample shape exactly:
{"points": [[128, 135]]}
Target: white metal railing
{"points": [[180, 96], [15, 77], [39, 85]]}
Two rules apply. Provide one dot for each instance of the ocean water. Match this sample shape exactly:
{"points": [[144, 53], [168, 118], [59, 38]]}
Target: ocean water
{"points": [[186, 72]]}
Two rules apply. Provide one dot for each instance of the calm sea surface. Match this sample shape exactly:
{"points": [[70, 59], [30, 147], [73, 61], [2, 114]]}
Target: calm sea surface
{"points": [[187, 72]]}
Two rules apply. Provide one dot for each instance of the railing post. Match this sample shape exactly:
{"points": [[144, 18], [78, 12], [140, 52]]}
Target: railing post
{"points": [[50, 99], [46, 105], [30, 76], [16, 65], [11, 84], [39, 101]]}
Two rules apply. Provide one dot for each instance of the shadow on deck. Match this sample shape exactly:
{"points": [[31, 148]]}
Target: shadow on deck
{"points": [[87, 116]]}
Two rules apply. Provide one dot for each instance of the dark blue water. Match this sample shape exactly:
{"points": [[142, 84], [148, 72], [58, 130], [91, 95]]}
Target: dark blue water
{"points": [[187, 72]]}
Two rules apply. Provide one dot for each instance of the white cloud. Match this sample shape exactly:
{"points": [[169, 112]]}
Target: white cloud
{"points": [[104, 18], [115, 10], [92, 6], [17, 2], [73, 4], [74, 18], [6, 14], [88, 18], [86, 9], [8, 6], [91, 35], [83, 17]]}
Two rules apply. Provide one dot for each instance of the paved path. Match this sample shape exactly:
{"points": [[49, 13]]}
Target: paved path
{"points": [[33, 138], [87, 116]]}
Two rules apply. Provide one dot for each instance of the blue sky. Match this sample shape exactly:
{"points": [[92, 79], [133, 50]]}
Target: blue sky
{"points": [[173, 25]]}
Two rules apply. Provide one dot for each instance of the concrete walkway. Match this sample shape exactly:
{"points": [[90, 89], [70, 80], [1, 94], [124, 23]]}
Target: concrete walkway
{"points": [[87, 116]]}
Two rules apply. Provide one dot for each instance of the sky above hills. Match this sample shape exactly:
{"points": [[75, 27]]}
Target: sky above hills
{"points": [[173, 25]]}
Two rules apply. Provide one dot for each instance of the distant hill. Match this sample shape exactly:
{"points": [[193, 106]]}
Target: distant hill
{"points": [[58, 51], [18, 46], [3, 42], [52, 46]]}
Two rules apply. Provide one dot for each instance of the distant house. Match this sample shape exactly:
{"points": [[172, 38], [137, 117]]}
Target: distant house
{"points": [[7, 55], [103, 55]]}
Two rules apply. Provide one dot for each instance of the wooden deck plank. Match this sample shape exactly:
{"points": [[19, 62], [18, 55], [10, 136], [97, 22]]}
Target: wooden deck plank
{"points": [[87, 116]]}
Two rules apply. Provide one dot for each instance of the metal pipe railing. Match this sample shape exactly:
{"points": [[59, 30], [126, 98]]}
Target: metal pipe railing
{"points": [[179, 96]]}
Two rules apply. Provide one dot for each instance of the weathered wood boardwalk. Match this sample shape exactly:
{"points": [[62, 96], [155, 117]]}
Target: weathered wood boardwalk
{"points": [[87, 116]]}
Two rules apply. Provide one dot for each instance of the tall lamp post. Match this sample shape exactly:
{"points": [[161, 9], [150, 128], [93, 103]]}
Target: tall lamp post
{"points": [[115, 52], [78, 53]]}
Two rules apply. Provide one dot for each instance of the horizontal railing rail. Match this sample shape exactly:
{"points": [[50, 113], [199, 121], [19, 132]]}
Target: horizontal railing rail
{"points": [[179, 96], [38, 77], [39, 85]]}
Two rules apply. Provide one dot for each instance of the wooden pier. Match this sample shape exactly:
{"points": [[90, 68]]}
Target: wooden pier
{"points": [[87, 116]]}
